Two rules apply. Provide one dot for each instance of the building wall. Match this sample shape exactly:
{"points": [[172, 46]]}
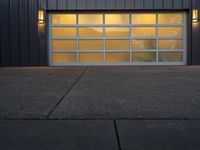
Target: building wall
{"points": [[114, 4], [24, 43]]}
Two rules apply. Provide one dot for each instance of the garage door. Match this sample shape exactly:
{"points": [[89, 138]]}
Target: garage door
{"points": [[117, 39]]}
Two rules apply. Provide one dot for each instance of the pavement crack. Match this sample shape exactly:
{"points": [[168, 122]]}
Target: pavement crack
{"points": [[117, 135], [65, 94]]}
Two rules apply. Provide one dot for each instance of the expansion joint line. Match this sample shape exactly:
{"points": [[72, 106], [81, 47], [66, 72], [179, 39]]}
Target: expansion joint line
{"points": [[65, 94], [117, 135]]}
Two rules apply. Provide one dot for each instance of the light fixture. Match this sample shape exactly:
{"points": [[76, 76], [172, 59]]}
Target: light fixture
{"points": [[40, 16], [195, 16]]}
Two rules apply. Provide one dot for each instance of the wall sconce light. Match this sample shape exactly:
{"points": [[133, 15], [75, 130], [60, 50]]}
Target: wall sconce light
{"points": [[195, 16], [41, 17]]}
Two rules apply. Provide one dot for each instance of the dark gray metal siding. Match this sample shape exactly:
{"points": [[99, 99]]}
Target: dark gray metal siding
{"points": [[19, 35], [195, 45], [114, 4], [22, 45]]}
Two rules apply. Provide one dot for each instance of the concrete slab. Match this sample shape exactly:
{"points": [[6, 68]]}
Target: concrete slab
{"points": [[159, 135], [57, 135], [33, 92], [134, 92]]}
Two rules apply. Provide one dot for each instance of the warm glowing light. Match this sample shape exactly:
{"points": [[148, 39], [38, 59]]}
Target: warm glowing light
{"points": [[41, 17], [195, 16]]}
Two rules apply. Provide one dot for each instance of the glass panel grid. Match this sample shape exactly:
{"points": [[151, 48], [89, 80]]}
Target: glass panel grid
{"points": [[103, 36]]}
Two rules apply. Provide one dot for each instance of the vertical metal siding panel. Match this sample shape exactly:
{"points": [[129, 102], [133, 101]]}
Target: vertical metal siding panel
{"points": [[139, 4], [14, 32], [195, 45], [177, 4], [0, 29], [168, 4], [43, 4], [186, 4], [42, 45], [158, 4], [110, 4], [148, 4], [42, 42], [81, 4], [90, 4], [195, 4], [52, 4], [195, 54], [33, 42], [62, 4], [129, 4], [71, 4], [100, 4], [189, 37], [120, 4], [5, 30], [24, 48]]}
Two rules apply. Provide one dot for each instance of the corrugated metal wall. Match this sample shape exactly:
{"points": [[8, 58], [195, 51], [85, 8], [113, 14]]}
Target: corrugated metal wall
{"points": [[114, 4], [19, 38], [22, 45]]}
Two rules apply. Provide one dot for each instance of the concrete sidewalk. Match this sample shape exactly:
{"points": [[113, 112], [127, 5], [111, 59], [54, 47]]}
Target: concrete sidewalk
{"points": [[100, 92], [99, 135]]}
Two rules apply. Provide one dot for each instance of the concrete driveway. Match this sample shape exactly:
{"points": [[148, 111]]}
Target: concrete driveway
{"points": [[101, 108], [100, 92]]}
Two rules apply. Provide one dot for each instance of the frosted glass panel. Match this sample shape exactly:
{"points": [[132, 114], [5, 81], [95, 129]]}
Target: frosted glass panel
{"points": [[90, 19], [117, 19], [91, 57], [143, 18], [117, 32], [90, 32], [170, 18], [170, 31], [170, 56], [143, 44], [117, 57], [143, 32], [69, 32], [64, 19], [63, 57], [144, 57], [170, 44], [117, 44], [63, 44], [90, 44]]}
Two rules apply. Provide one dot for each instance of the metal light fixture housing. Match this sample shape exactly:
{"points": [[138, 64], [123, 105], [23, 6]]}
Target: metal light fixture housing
{"points": [[195, 15], [41, 17]]}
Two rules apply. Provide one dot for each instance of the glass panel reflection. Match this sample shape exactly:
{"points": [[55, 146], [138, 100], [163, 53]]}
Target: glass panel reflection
{"points": [[90, 19], [144, 57], [170, 44], [117, 32], [170, 18], [90, 32], [143, 44], [143, 32], [117, 19], [69, 32], [170, 56], [170, 31]]}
